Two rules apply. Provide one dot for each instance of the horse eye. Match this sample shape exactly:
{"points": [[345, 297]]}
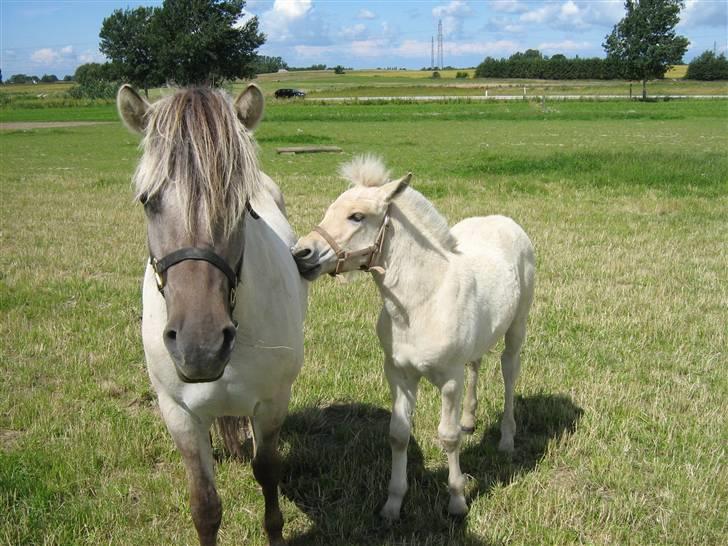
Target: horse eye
{"points": [[356, 217], [143, 198]]}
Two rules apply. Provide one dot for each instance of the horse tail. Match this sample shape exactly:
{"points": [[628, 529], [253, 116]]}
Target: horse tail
{"points": [[234, 431]]}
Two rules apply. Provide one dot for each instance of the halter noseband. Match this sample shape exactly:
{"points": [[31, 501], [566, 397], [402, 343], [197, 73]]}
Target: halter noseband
{"points": [[374, 250], [201, 254]]}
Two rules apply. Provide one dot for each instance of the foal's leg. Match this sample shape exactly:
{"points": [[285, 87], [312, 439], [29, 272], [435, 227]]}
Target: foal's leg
{"points": [[267, 465], [403, 388], [510, 366], [470, 405], [193, 441], [451, 390]]}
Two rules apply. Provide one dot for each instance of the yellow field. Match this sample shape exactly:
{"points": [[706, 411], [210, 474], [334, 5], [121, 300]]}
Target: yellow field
{"points": [[678, 71]]}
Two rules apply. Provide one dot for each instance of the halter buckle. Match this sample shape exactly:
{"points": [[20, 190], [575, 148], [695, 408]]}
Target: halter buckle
{"points": [[157, 275]]}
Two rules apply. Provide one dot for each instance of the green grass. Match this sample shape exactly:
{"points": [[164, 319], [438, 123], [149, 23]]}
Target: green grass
{"points": [[623, 394]]}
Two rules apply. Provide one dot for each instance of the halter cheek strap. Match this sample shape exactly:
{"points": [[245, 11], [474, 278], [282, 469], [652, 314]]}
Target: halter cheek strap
{"points": [[343, 256]]}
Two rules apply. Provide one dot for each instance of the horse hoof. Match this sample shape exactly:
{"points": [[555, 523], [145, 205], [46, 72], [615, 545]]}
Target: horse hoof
{"points": [[506, 446], [457, 508], [389, 514], [467, 430]]}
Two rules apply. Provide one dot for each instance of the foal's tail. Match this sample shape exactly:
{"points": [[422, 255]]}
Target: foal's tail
{"points": [[234, 431]]}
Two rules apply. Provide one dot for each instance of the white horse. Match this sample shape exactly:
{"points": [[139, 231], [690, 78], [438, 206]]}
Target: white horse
{"points": [[223, 301], [448, 295]]}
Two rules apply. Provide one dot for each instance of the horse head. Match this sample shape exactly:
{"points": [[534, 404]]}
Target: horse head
{"points": [[196, 176]]}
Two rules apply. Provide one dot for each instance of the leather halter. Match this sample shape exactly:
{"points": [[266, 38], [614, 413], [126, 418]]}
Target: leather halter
{"points": [[202, 254], [374, 250]]}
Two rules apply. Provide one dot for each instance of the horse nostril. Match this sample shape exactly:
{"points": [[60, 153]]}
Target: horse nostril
{"points": [[170, 334], [228, 338], [302, 253]]}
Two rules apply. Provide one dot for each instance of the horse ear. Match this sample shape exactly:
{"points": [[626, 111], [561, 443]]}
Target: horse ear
{"points": [[249, 106], [395, 187], [132, 108]]}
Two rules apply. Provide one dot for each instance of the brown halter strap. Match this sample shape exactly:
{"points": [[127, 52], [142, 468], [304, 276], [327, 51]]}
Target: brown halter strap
{"points": [[373, 250]]}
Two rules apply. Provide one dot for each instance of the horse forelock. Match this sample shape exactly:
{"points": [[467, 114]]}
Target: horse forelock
{"points": [[195, 144], [365, 170]]}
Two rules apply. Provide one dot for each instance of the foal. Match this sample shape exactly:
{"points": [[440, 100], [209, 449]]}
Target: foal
{"points": [[448, 296]]}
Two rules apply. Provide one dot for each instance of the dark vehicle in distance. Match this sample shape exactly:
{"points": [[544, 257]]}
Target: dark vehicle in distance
{"points": [[289, 93]]}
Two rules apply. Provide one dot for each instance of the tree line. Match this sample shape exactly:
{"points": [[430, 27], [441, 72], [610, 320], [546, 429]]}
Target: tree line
{"points": [[531, 64]]}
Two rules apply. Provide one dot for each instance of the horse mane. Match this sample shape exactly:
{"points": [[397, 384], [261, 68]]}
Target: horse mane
{"points": [[370, 171], [195, 143]]}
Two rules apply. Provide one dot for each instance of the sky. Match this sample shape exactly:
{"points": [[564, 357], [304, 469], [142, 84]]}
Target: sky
{"points": [[54, 37]]}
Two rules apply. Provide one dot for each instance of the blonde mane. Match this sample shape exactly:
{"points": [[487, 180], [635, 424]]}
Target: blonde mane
{"points": [[370, 171], [195, 143]]}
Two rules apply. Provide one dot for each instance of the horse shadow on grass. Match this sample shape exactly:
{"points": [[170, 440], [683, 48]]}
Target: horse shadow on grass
{"points": [[337, 471]]}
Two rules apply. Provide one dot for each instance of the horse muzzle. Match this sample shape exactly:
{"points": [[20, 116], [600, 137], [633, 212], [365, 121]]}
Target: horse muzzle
{"points": [[196, 361]]}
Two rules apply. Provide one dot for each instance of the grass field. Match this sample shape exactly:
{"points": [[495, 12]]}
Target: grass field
{"points": [[623, 395]]}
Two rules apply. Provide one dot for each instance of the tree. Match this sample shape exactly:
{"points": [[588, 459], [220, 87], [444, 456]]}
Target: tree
{"points": [[49, 78], [708, 66], [202, 42], [338, 69], [644, 41], [267, 65], [128, 39]]}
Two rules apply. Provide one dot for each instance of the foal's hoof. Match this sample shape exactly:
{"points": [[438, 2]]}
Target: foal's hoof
{"points": [[389, 513], [457, 508], [505, 445], [467, 430]]}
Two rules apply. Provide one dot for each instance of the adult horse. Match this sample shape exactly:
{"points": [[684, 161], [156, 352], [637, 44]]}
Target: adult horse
{"points": [[223, 301], [448, 296]]}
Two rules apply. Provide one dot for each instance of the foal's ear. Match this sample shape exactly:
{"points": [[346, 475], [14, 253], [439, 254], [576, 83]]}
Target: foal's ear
{"points": [[249, 106], [395, 187], [132, 108]]}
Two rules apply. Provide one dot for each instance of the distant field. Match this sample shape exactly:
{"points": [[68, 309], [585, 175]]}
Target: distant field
{"points": [[365, 83], [621, 405]]}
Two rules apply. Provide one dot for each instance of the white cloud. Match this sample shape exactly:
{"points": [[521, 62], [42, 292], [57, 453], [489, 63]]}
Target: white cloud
{"points": [[507, 6], [292, 9], [353, 32], [52, 57], [45, 56], [277, 22], [565, 45], [575, 14], [452, 15], [366, 14], [704, 13]]}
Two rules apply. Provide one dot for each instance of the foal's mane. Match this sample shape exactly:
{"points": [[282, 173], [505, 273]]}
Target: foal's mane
{"points": [[195, 143], [370, 171]]}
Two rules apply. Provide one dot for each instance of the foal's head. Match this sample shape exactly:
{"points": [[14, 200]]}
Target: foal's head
{"points": [[350, 235], [197, 173]]}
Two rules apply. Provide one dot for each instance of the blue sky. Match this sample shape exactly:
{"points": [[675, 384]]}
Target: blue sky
{"points": [[54, 37]]}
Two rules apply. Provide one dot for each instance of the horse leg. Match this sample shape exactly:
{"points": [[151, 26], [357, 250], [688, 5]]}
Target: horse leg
{"points": [[449, 432], [193, 442], [403, 388], [510, 366], [470, 406], [266, 465]]}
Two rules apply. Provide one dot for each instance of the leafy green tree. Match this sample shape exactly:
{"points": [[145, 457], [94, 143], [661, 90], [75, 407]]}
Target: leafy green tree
{"points": [[644, 42], [338, 69], [267, 65], [708, 66], [129, 40], [201, 41], [49, 78]]}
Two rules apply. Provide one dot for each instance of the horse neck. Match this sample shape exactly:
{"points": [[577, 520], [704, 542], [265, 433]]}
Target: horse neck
{"points": [[415, 266]]}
